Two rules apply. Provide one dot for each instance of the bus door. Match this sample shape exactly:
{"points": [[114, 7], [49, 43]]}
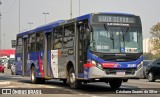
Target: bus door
{"points": [[57, 41], [24, 57], [47, 54], [82, 47]]}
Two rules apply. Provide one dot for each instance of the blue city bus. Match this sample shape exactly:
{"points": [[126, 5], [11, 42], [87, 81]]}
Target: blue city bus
{"points": [[96, 47]]}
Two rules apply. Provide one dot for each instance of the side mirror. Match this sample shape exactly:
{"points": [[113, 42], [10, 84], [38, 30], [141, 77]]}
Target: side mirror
{"points": [[92, 43], [87, 33]]}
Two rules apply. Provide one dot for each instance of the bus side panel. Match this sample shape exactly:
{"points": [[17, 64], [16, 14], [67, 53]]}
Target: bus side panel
{"points": [[62, 63], [35, 58], [49, 71], [64, 58], [30, 61], [18, 64]]}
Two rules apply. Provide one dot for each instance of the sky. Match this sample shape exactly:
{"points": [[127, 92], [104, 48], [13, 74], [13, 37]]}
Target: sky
{"points": [[31, 12]]}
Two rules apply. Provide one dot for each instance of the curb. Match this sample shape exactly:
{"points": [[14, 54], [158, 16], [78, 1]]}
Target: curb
{"points": [[5, 83]]}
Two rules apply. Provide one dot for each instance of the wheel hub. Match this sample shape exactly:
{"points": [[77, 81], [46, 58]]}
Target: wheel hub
{"points": [[32, 76], [72, 77], [150, 76]]}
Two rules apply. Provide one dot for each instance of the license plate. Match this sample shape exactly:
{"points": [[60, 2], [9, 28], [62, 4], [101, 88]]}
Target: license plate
{"points": [[120, 73]]}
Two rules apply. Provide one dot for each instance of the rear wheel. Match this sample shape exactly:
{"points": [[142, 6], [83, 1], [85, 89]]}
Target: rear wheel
{"points": [[41, 80], [64, 81], [73, 82], [125, 80], [151, 77], [2, 71], [115, 83], [34, 80]]}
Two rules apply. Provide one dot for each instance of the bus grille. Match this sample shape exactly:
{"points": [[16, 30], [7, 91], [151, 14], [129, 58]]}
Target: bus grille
{"points": [[112, 71]]}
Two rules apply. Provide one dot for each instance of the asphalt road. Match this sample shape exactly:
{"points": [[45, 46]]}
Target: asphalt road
{"points": [[56, 88]]}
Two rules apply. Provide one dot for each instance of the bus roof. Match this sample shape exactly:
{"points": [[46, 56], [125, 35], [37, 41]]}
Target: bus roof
{"points": [[57, 23], [116, 13]]}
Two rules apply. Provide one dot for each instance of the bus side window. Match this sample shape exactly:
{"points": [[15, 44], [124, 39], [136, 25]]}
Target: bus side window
{"points": [[39, 41], [57, 38], [68, 39], [31, 42], [29, 47], [19, 45]]}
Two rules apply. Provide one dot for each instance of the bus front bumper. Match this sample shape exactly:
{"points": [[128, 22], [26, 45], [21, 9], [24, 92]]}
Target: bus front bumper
{"points": [[95, 72]]}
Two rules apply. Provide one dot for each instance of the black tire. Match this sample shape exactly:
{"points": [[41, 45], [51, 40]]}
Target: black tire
{"points": [[40, 80], [125, 80], [64, 81], [34, 80], [73, 82], [115, 83], [2, 71], [151, 77]]}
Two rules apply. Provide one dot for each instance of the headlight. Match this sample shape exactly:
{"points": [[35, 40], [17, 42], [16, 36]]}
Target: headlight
{"points": [[139, 65], [93, 62], [96, 64]]}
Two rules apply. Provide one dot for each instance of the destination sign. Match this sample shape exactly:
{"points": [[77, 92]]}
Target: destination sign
{"points": [[113, 19]]}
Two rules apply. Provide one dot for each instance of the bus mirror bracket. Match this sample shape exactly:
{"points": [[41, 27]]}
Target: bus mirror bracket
{"points": [[88, 33]]}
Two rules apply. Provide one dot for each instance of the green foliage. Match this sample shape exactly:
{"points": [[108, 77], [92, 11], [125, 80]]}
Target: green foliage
{"points": [[155, 32], [148, 56]]}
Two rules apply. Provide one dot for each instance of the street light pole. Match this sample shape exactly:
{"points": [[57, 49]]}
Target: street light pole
{"points": [[4, 41], [79, 7], [0, 32], [19, 16], [71, 9], [30, 23], [45, 14], [0, 26]]}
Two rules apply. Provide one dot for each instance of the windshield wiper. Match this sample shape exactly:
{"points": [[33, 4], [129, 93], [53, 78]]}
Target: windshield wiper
{"points": [[124, 33], [106, 27], [111, 34]]}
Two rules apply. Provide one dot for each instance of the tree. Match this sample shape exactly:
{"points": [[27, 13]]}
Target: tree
{"points": [[148, 56], [155, 32]]}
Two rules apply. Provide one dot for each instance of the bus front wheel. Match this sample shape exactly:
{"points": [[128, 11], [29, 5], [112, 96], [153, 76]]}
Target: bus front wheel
{"points": [[73, 82], [115, 83]]}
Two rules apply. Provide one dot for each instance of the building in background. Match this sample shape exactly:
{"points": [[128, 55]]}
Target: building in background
{"points": [[7, 52], [147, 45]]}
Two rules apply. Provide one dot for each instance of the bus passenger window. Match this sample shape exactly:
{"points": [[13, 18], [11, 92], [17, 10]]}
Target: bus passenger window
{"points": [[31, 43], [19, 46], [39, 41], [68, 40], [57, 38], [58, 43], [60, 32]]}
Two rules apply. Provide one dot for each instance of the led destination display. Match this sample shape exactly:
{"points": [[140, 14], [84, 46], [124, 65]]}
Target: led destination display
{"points": [[113, 19]]}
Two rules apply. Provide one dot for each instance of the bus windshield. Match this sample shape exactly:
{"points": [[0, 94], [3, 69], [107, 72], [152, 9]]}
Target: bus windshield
{"points": [[111, 39]]}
